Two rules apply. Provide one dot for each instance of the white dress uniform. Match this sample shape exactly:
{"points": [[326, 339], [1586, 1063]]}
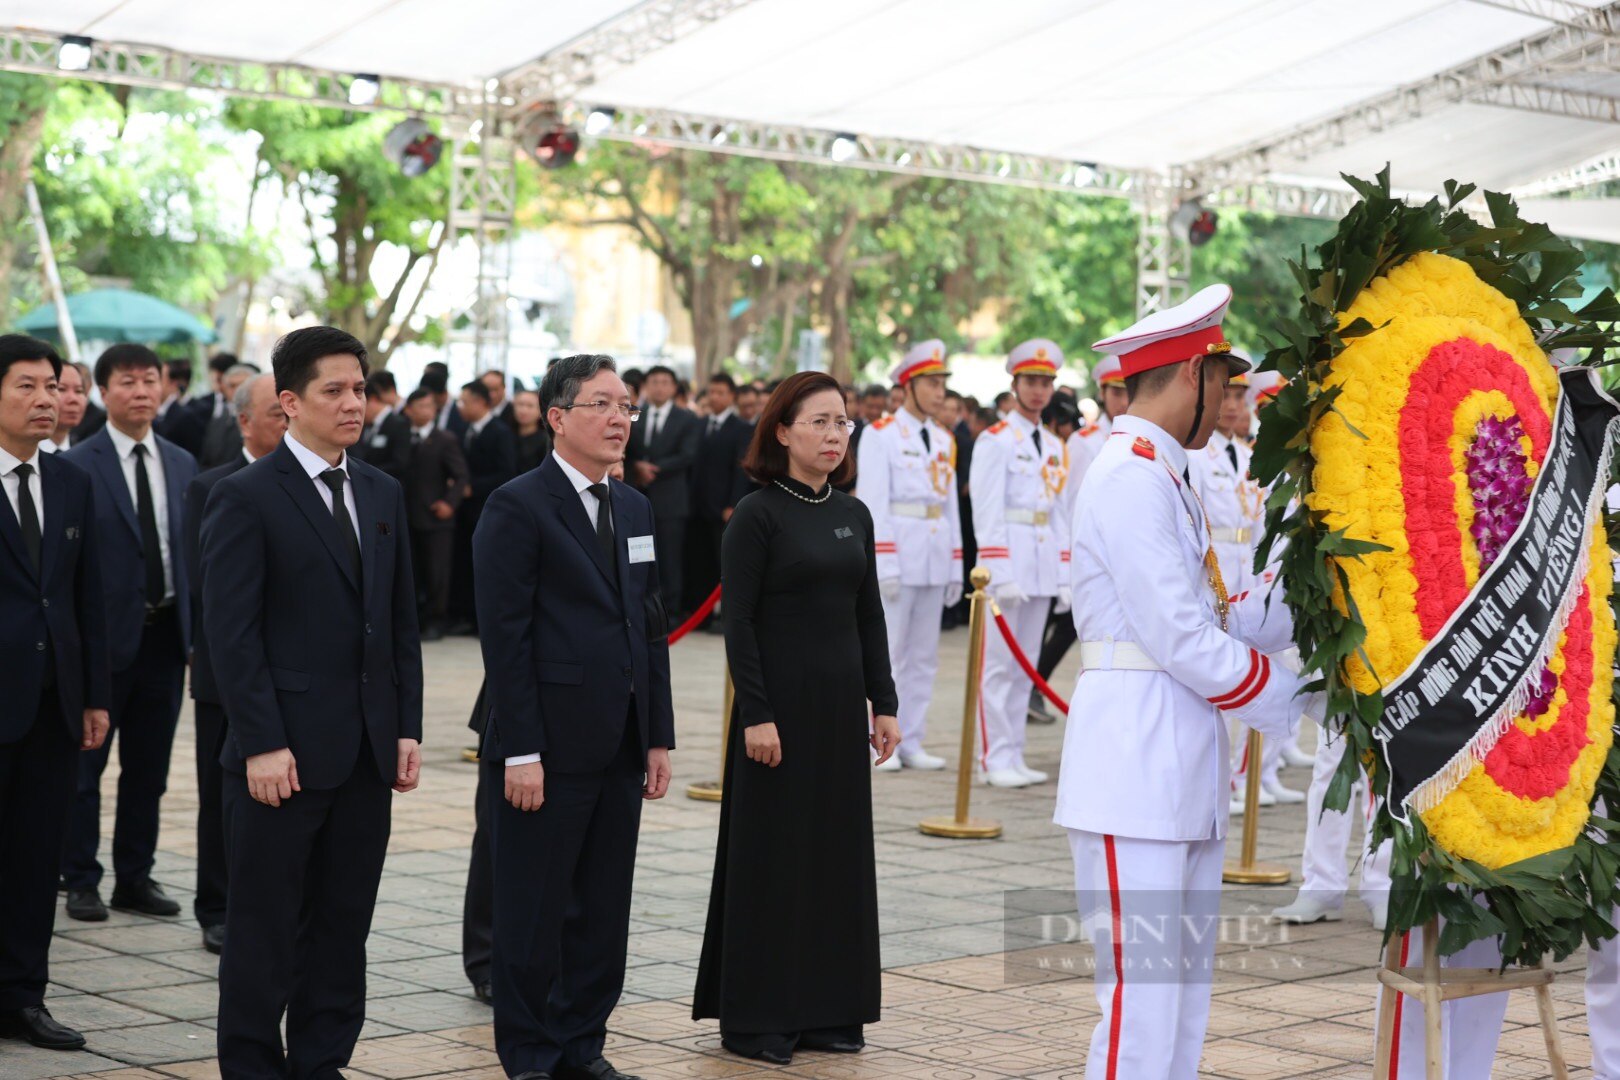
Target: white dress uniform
{"points": [[1144, 779], [1325, 876], [1019, 479], [907, 479], [1235, 503], [1086, 443]]}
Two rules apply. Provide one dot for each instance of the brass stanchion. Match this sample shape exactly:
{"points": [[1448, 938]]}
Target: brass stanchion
{"points": [[711, 790], [962, 827], [1246, 871]]}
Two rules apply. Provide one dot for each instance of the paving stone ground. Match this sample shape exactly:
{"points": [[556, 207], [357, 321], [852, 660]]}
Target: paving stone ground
{"points": [[957, 1004]]}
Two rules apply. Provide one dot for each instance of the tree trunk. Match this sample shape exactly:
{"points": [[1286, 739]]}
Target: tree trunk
{"points": [[19, 139]]}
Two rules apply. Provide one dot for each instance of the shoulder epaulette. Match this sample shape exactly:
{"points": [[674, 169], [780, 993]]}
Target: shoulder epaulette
{"points": [[1088, 431], [882, 422], [1143, 448], [997, 428]]}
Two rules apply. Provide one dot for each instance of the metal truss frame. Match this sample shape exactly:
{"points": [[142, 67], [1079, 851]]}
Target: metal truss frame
{"points": [[1599, 170], [35, 53], [483, 207], [1573, 40], [1163, 253]]}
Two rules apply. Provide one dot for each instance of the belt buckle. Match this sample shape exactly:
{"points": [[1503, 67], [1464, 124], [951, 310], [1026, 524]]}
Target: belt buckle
{"points": [[1040, 517], [935, 511]]}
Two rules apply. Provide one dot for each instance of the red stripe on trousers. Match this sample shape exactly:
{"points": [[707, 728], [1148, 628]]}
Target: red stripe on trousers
{"points": [[1117, 927], [1395, 1040]]}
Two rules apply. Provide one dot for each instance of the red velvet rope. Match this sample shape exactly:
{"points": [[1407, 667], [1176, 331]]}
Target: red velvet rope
{"points": [[1029, 668], [697, 617]]}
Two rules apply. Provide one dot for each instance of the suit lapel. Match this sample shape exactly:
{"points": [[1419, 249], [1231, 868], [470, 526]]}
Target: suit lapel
{"points": [[301, 489], [573, 515], [365, 508], [620, 502], [50, 489], [112, 475]]}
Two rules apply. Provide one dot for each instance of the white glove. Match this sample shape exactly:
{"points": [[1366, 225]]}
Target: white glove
{"points": [[1008, 594], [1065, 600], [953, 593], [889, 589]]}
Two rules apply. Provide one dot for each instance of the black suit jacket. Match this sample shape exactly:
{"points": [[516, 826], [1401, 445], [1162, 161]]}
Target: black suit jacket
{"points": [[184, 424], [312, 652], [203, 686], [221, 442], [491, 460], [95, 418], [123, 566], [717, 477], [56, 615], [387, 445], [569, 637], [436, 471], [673, 451]]}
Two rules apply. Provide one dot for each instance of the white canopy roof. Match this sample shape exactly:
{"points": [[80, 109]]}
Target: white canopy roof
{"points": [[1163, 85]]}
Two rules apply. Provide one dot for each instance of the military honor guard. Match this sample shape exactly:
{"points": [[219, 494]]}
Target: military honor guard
{"points": [[1164, 651], [1087, 443], [907, 479], [1021, 497]]}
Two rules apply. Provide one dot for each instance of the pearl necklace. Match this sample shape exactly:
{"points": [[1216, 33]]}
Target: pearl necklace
{"points": [[805, 498]]}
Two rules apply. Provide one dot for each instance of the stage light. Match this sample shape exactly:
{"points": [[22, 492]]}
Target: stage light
{"points": [[1195, 222], [363, 90], [556, 148], [1085, 174], [73, 53], [598, 121], [412, 146], [844, 147]]}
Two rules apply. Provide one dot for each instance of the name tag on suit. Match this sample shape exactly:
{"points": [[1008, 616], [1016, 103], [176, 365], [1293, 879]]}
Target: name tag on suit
{"points": [[641, 549]]}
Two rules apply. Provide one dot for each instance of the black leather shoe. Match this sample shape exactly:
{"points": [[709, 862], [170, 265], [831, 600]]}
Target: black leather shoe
{"points": [[37, 1026], [145, 896], [839, 1044], [532, 1076], [214, 938], [773, 1054], [596, 1070], [484, 991], [86, 906]]}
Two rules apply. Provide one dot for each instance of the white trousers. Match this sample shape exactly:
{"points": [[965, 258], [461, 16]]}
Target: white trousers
{"points": [[1150, 908], [1603, 1006], [1004, 694], [913, 621], [1326, 875], [1469, 1027]]}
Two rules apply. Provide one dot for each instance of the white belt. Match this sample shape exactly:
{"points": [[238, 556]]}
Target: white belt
{"points": [[1111, 655], [1028, 517], [1231, 536], [924, 511]]}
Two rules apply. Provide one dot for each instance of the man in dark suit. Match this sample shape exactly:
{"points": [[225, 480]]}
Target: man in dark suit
{"points": [[576, 651], [216, 403], [261, 421], [490, 448], [436, 481], [325, 705], [385, 440], [499, 400], [222, 437], [57, 685], [717, 483], [177, 418], [140, 483], [662, 448]]}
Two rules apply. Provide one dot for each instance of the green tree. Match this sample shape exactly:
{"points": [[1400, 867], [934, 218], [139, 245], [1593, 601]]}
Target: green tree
{"points": [[24, 100], [354, 204]]}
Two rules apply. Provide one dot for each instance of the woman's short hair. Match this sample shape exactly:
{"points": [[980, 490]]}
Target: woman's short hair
{"points": [[767, 458]]}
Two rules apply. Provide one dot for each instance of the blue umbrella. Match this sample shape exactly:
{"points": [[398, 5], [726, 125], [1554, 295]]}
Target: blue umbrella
{"points": [[120, 315]]}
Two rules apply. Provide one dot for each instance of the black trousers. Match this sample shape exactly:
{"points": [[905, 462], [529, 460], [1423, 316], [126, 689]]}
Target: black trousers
{"points": [[212, 875], [463, 603], [1055, 641], [562, 910], [304, 879], [145, 710], [431, 553], [669, 540], [37, 781], [702, 559], [478, 905]]}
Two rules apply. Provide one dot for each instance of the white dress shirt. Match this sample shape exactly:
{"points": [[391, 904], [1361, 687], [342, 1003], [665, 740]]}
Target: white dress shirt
{"points": [[718, 419], [657, 416], [48, 446], [12, 483], [582, 484], [476, 428], [314, 465], [124, 446]]}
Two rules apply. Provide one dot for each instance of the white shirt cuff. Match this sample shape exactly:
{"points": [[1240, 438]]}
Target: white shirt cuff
{"points": [[522, 759]]}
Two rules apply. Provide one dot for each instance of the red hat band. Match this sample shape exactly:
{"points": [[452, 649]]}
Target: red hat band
{"points": [[1171, 350]]}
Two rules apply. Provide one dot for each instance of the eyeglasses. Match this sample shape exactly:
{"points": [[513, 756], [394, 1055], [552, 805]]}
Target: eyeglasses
{"points": [[600, 408], [820, 425]]}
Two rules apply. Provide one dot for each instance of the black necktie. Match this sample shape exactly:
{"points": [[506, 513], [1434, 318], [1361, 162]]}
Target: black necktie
{"points": [[27, 515], [1037, 437], [1231, 454], [604, 520], [146, 514], [333, 478], [714, 424]]}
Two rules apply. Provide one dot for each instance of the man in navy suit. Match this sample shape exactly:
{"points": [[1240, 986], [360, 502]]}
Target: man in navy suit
{"points": [[576, 656], [308, 602], [57, 687], [258, 416], [140, 483]]}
